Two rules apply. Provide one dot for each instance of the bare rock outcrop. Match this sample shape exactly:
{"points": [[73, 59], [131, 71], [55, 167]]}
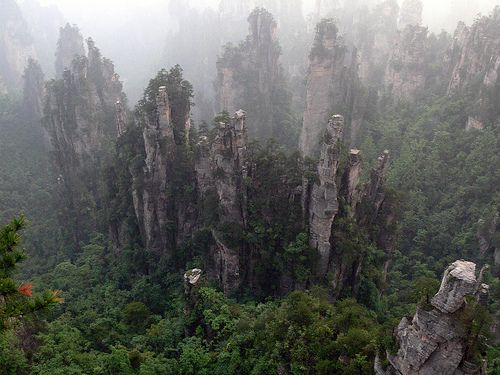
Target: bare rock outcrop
{"points": [[230, 168], [78, 118], [80, 123], [192, 281], [331, 78], [221, 166], [152, 203], [405, 72], [373, 193], [351, 179], [323, 204], [474, 58], [434, 341]]}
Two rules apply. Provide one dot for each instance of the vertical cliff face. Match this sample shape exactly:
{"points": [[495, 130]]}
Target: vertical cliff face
{"points": [[229, 161], [33, 91], [405, 72], [373, 194], [69, 46], [332, 74], [474, 63], [351, 179], [152, 204], [161, 205], [250, 76], [434, 342], [410, 13], [78, 117], [323, 202], [336, 202], [80, 107], [16, 46], [222, 167]]}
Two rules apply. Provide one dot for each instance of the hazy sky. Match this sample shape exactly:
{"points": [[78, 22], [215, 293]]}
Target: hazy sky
{"points": [[84, 11]]}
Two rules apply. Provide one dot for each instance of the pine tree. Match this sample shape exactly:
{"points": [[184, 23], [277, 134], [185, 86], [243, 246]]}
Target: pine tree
{"points": [[17, 301]]}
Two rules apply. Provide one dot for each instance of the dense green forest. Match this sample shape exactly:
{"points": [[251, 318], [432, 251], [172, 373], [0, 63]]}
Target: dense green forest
{"points": [[112, 214]]}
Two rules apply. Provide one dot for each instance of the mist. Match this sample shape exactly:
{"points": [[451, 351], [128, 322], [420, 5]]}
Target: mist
{"points": [[249, 187], [127, 29]]}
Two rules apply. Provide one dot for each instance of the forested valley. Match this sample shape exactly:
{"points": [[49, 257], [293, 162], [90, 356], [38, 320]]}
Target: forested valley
{"points": [[298, 187]]}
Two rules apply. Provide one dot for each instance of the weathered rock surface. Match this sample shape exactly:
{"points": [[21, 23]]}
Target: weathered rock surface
{"points": [[373, 193], [323, 203], [192, 280], [230, 168], [433, 342], [405, 72], [486, 234], [152, 204], [222, 168], [192, 277], [332, 74], [353, 173], [473, 58], [459, 280], [78, 117], [79, 123]]}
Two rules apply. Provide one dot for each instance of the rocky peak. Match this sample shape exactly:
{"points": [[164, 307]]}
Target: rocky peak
{"points": [[410, 13], [331, 77], [162, 206], [353, 173], [474, 54], [434, 341], [459, 280], [473, 58], [262, 29], [230, 167], [69, 46], [192, 280], [78, 115], [152, 203], [323, 205]]}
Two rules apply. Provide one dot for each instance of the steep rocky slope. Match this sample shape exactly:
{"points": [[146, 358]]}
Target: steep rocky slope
{"points": [[474, 63], [331, 80], [435, 341], [79, 120]]}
